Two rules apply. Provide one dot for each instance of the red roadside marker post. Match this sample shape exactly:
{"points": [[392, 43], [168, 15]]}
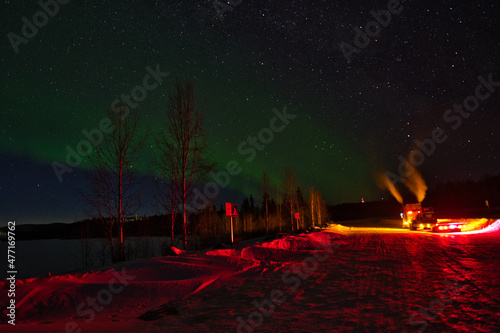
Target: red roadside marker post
{"points": [[231, 210], [297, 218]]}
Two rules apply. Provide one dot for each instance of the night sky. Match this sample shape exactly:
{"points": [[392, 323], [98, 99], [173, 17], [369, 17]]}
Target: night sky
{"points": [[353, 118]]}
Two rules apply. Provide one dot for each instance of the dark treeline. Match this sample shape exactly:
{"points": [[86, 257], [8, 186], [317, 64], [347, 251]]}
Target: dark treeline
{"points": [[456, 199], [466, 198], [267, 216]]}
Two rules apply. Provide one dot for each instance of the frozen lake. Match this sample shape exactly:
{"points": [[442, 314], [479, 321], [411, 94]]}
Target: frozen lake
{"points": [[36, 258]]}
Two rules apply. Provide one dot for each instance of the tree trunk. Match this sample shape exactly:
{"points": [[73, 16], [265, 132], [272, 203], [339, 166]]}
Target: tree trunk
{"points": [[319, 210], [122, 254], [184, 219], [311, 200], [172, 239], [267, 217], [279, 215], [120, 190]]}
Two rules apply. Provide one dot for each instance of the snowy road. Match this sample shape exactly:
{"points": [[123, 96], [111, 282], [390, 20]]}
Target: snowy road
{"points": [[360, 280], [378, 280]]}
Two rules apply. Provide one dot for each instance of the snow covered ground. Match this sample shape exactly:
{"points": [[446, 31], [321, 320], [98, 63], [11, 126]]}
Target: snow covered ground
{"points": [[337, 280]]}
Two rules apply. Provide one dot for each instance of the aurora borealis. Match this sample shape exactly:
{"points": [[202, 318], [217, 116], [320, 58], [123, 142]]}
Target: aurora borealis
{"points": [[353, 119]]}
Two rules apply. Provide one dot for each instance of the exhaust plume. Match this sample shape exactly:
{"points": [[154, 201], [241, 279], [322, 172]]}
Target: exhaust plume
{"points": [[416, 185], [385, 183]]}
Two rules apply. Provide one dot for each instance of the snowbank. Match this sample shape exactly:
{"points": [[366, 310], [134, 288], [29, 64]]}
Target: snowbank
{"points": [[261, 253], [224, 252], [292, 247], [304, 241], [495, 226]]}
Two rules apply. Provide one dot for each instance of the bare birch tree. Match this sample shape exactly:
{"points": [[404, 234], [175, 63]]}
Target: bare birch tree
{"points": [[312, 205], [319, 209], [114, 194], [184, 143]]}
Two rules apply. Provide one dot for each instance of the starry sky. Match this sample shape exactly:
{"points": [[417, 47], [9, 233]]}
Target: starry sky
{"points": [[353, 118]]}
